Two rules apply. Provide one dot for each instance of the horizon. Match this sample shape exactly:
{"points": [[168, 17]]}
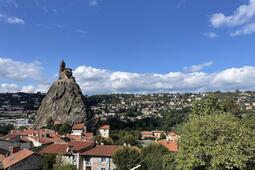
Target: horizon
{"points": [[128, 47]]}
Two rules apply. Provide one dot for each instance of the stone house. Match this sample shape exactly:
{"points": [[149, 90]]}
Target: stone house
{"points": [[68, 153], [98, 158]]}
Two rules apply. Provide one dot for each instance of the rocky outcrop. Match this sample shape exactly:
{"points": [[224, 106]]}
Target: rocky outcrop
{"points": [[64, 101]]}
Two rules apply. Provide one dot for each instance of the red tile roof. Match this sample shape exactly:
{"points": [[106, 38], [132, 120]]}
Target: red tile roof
{"points": [[105, 127], [16, 157], [101, 150], [172, 146], [55, 149], [62, 148], [172, 134], [2, 157], [79, 126]]}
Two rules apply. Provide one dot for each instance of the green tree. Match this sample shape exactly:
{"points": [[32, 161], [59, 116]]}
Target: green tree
{"points": [[210, 105], [162, 136], [48, 161], [216, 141], [153, 155], [127, 157], [169, 162], [172, 118], [231, 106], [5, 129]]}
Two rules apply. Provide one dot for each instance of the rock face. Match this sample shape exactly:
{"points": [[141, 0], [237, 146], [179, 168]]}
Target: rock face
{"points": [[64, 101]]}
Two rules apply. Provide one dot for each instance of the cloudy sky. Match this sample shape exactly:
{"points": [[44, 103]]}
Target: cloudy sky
{"points": [[128, 46]]}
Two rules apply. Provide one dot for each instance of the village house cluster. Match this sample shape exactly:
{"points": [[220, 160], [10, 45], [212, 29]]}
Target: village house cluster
{"points": [[21, 148]]}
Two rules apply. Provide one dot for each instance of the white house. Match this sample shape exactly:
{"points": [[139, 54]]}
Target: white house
{"points": [[104, 131]]}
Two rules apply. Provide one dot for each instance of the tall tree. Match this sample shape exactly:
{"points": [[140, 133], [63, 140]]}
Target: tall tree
{"points": [[210, 105], [216, 141], [153, 156], [127, 157]]}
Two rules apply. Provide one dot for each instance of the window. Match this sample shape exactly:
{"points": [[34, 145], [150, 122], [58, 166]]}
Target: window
{"points": [[88, 161], [102, 168], [103, 159]]}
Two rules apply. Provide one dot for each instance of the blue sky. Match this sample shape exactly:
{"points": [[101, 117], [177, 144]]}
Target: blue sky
{"points": [[135, 39]]}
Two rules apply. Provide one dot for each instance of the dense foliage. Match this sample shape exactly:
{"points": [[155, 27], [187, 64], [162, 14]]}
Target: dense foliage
{"points": [[153, 157], [48, 161], [121, 137], [127, 158], [5, 129], [212, 138], [60, 128]]}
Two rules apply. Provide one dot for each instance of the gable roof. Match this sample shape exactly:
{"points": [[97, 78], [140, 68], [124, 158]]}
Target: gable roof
{"points": [[16, 157], [101, 150], [105, 127], [78, 126], [5, 144], [172, 146], [66, 148]]}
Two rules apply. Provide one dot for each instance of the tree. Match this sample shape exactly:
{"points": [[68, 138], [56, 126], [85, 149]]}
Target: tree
{"points": [[127, 157], [231, 106], [210, 105], [216, 141], [106, 141], [172, 118], [48, 161], [4, 129], [169, 162], [162, 136], [153, 156]]}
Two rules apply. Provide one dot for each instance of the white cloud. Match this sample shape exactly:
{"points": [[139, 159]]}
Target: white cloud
{"points": [[6, 87], [93, 2], [11, 20], [242, 15], [246, 30], [102, 81], [28, 89], [198, 67], [19, 71], [210, 35], [81, 31], [98, 81]]}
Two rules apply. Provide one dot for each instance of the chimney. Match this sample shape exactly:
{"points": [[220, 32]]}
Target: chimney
{"points": [[67, 149], [11, 150]]}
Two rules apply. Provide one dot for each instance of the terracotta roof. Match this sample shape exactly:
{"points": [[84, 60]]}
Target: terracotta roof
{"points": [[79, 126], [55, 149], [105, 127], [62, 148], [172, 146], [11, 137], [101, 150], [43, 141], [1, 157], [147, 133], [172, 134], [88, 136], [16, 157], [79, 145]]}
